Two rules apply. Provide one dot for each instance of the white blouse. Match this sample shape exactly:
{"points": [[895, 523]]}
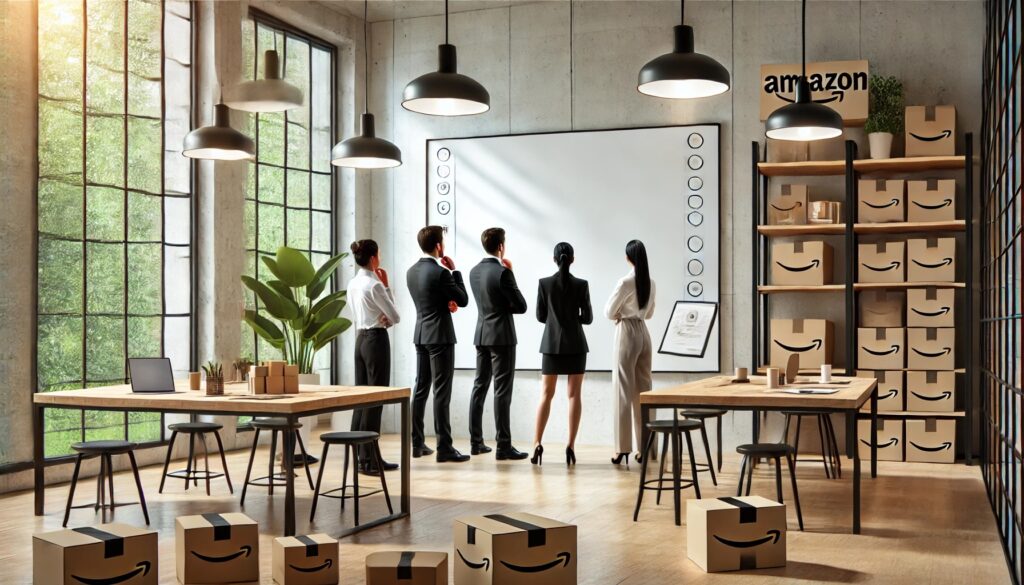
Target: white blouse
{"points": [[623, 303], [370, 301]]}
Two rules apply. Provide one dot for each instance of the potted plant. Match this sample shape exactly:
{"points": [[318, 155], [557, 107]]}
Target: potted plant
{"points": [[885, 114], [301, 319], [242, 366], [214, 378]]}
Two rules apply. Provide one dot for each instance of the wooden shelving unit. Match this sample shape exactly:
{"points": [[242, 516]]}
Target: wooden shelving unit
{"points": [[824, 168], [771, 289], [813, 229], [911, 227], [904, 285], [916, 414]]}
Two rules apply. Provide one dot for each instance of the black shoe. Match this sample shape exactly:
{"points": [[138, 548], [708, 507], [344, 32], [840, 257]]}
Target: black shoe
{"points": [[480, 449], [452, 456], [620, 458], [538, 455], [371, 468], [570, 456], [422, 450], [301, 460], [510, 453]]}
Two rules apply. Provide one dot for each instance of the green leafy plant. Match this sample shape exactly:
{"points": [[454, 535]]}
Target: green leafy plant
{"points": [[885, 105], [214, 370], [305, 321]]}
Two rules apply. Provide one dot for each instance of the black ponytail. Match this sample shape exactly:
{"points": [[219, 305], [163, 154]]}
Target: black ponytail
{"points": [[637, 254], [564, 256], [363, 250]]}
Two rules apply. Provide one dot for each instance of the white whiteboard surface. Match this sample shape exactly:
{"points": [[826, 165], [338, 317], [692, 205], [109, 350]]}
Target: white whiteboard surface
{"points": [[596, 190]]}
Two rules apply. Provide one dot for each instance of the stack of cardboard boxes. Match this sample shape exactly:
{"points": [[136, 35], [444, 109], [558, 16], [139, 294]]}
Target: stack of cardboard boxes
{"points": [[793, 206], [274, 377]]}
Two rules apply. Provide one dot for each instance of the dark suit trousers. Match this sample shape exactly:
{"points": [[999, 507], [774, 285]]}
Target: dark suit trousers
{"points": [[435, 365], [499, 361], [373, 368]]}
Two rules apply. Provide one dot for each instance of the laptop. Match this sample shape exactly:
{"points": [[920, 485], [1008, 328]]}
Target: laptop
{"points": [[151, 375]]}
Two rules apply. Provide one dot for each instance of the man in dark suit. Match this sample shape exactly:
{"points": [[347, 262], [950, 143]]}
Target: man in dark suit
{"points": [[437, 291], [497, 299]]}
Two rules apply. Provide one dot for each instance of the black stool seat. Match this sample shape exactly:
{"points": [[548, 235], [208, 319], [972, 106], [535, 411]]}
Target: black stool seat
{"points": [[192, 474], [666, 426], [105, 450], [274, 424], [195, 427], [103, 447], [702, 412], [287, 430], [349, 437], [765, 449]]}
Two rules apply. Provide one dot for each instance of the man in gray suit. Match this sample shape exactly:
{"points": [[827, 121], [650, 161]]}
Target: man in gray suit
{"points": [[497, 299]]}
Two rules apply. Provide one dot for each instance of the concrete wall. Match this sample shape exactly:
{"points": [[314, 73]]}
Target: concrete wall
{"points": [[555, 66]]}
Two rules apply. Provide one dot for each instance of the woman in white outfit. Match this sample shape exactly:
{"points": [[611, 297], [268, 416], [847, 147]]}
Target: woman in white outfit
{"points": [[630, 305]]}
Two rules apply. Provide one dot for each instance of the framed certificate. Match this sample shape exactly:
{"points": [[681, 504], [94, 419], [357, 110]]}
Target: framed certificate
{"points": [[689, 329]]}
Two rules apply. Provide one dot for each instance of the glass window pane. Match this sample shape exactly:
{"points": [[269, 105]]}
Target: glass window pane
{"points": [[104, 425], [59, 358], [62, 428], [60, 276], [104, 142], [177, 280], [298, 189], [60, 140], [144, 279], [104, 349], [298, 229], [270, 145], [144, 219], [145, 336], [105, 51], [145, 142], [321, 232], [104, 278], [271, 188], [322, 191], [271, 235], [104, 214]]}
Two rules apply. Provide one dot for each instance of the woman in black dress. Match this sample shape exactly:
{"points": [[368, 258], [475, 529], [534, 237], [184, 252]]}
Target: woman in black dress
{"points": [[563, 305]]}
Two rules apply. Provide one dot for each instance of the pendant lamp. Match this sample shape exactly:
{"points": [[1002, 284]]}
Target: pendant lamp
{"points": [[803, 120], [270, 94], [446, 92], [366, 151], [683, 74], [220, 141]]}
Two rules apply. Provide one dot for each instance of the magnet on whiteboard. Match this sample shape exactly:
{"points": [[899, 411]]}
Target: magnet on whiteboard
{"points": [[695, 140], [695, 162], [695, 244], [695, 218], [695, 201], [443, 171], [695, 267], [444, 154], [444, 207], [444, 188], [695, 183], [695, 288]]}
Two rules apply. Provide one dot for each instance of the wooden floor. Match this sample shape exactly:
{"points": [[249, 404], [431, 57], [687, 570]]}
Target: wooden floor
{"points": [[922, 523]]}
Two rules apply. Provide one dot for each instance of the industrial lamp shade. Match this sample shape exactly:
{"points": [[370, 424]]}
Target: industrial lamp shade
{"points": [[683, 74], [271, 94], [803, 120], [446, 92], [366, 151], [220, 141]]}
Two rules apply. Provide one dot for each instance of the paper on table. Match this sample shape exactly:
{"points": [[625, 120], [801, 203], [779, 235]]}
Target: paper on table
{"points": [[807, 390]]}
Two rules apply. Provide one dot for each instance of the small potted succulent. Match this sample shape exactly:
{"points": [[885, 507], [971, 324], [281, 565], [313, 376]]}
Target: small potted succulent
{"points": [[242, 366], [214, 378], [885, 114]]}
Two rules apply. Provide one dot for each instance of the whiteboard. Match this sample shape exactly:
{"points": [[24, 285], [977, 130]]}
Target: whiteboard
{"points": [[596, 190]]}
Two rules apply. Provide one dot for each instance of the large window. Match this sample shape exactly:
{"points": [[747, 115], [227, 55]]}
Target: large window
{"points": [[114, 203]]}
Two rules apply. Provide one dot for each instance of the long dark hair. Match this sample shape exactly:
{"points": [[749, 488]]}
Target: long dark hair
{"points": [[564, 255], [637, 254]]}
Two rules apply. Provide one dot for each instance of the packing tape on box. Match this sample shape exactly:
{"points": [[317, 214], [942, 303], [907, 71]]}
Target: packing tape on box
{"points": [[221, 527], [405, 566], [787, 190], [931, 334], [931, 377], [798, 247], [931, 242], [931, 294], [798, 325], [929, 113], [879, 247], [535, 535], [748, 512], [312, 546], [880, 185], [930, 425], [931, 185], [113, 545], [880, 334]]}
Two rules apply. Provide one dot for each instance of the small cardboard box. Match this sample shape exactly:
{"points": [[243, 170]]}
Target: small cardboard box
{"points": [[931, 200], [826, 212], [931, 348], [275, 385], [880, 200], [732, 534], [217, 548], [108, 553], [931, 391], [930, 130], [275, 368], [880, 308], [931, 260], [260, 371], [881, 348], [810, 339], [305, 560], [890, 390], [789, 207], [519, 547], [291, 384], [931, 307], [932, 440], [889, 444], [258, 384], [880, 262], [291, 370], [407, 568], [802, 263]]}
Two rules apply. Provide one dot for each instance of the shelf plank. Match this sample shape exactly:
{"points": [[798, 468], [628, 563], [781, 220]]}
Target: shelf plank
{"points": [[768, 289], [820, 229], [911, 227], [912, 414], [803, 168], [806, 371], [909, 165], [904, 285]]}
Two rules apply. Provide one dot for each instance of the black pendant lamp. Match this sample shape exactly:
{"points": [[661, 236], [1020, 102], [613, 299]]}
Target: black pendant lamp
{"points": [[446, 92], [683, 74], [803, 120], [366, 151], [219, 141]]}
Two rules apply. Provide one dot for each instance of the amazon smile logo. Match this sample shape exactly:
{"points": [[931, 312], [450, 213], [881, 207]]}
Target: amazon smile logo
{"points": [[940, 136], [930, 354], [770, 536], [945, 262], [945, 446], [484, 564], [141, 568], [941, 311], [835, 83], [892, 393], [893, 349], [814, 264], [244, 551], [816, 344], [325, 565], [561, 558], [945, 203], [785, 209], [944, 396], [891, 203], [890, 443], [892, 266]]}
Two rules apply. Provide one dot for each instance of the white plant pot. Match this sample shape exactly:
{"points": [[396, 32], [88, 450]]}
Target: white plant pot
{"points": [[309, 378], [880, 144]]}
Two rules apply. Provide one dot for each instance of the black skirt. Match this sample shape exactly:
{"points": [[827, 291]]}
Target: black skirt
{"points": [[553, 364]]}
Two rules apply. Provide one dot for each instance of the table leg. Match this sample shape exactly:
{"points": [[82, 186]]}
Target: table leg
{"points": [[287, 461], [676, 472], [645, 417], [756, 424], [37, 459], [874, 434], [406, 439], [851, 445]]}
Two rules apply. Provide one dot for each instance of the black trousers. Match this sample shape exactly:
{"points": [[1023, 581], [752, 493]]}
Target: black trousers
{"points": [[373, 368], [499, 362], [435, 365]]}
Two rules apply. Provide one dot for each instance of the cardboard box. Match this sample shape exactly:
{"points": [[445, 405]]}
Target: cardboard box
{"points": [[275, 368], [840, 85], [789, 207], [520, 548], [258, 384], [810, 339], [217, 548], [291, 384], [880, 201], [931, 200], [889, 443], [305, 560], [108, 553], [931, 260], [879, 308], [260, 371], [881, 348], [890, 390], [801, 263], [931, 348], [275, 385], [931, 440], [880, 262], [931, 391], [930, 130], [828, 212], [407, 568], [291, 370], [931, 307], [732, 534]]}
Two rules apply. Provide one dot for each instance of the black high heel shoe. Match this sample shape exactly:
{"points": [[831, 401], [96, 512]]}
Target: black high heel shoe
{"points": [[570, 456], [620, 459], [538, 455]]}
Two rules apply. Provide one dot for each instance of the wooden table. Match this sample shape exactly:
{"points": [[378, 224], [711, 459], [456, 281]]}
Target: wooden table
{"points": [[310, 401], [721, 393]]}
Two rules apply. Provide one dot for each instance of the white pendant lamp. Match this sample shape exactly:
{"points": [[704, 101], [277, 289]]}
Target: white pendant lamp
{"points": [[271, 94], [219, 141], [683, 74]]}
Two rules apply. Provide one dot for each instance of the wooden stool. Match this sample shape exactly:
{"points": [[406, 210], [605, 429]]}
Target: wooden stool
{"points": [[830, 457], [275, 426], [191, 472], [104, 450], [776, 451], [703, 414], [673, 431], [351, 440]]}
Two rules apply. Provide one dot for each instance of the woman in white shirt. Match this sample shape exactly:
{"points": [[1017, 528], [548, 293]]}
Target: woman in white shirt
{"points": [[630, 305], [373, 306]]}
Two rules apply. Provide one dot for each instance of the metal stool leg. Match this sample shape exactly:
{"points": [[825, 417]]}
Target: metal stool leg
{"points": [[102, 499], [110, 482], [138, 485], [383, 482], [248, 469], [743, 471], [71, 492], [778, 480], [785, 429], [824, 447], [643, 476], [718, 438], [693, 465], [273, 457], [191, 456], [344, 477], [355, 481], [302, 449], [707, 451], [206, 460], [750, 476], [661, 468], [837, 466], [167, 461], [796, 495], [677, 455], [319, 478], [223, 461]]}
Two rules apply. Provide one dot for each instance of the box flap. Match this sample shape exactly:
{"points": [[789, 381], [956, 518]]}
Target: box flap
{"points": [[511, 522], [405, 559], [91, 535]]}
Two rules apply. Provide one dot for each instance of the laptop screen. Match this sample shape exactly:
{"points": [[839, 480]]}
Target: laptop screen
{"points": [[151, 374]]}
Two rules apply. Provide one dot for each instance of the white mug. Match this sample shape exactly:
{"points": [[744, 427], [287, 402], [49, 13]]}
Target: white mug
{"points": [[741, 375], [826, 373], [773, 377]]}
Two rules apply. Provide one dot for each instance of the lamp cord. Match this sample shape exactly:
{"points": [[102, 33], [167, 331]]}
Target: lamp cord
{"points": [[446, 22], [366, 57], [803, 39], [682, 12]]}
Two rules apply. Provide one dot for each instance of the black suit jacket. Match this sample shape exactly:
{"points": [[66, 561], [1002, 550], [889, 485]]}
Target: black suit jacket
{"points": [[432, 286], [497, 298], [564, 310]]}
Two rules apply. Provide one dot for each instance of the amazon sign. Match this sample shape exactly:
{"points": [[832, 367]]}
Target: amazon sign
{"points": [[217, 548], [512, 549], [109, 554], [731, 534], [840, 85]]}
